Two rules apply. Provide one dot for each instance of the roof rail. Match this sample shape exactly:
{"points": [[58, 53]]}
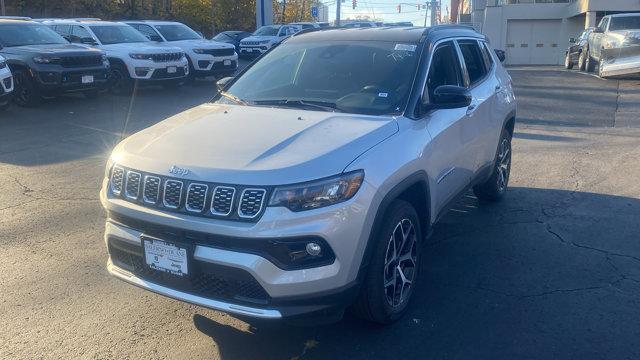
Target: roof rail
{"points": [[25, 18]]}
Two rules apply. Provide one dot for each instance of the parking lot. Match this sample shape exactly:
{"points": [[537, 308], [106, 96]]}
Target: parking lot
{"points": [[553, 271]]}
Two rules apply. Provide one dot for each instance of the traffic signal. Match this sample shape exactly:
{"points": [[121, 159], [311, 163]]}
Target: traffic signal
{"points": [[354, 3], [399, 9]]}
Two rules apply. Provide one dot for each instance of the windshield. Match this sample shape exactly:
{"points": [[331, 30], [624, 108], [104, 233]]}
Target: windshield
{"points": [[223, 36], [624, 23], [267, 31], [28, 34], [367, 77], [177, 32], [116, 34]]}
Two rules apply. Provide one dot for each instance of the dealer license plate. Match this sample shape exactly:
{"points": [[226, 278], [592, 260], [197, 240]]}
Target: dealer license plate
{"points": [[87, 79], [172, 69], [163, 256]]}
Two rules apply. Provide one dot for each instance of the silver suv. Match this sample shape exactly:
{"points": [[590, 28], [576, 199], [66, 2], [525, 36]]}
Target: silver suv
{"points": [[309, 183]]}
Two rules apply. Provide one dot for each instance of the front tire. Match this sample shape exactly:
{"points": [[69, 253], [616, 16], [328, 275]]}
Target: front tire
{"points": [[26, 93], [394, 267], [590, 63], [581, 61], [568, 64], [120, 81], [494, 188]]}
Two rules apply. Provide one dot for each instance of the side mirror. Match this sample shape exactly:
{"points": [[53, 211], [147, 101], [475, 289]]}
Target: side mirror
{"points": [[222, 83], [572, 41], [598, 30], [87, 41], [449, 97], [502, 56]]}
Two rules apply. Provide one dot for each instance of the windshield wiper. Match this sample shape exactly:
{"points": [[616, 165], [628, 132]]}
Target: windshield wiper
{"points": [[321, 105], [233, 98]]}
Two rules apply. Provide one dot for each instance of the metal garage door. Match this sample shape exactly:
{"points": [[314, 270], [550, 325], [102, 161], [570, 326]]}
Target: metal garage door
{"points": [[533, 42]]}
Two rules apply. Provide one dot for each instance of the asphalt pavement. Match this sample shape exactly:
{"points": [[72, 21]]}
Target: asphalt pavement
{"points": [[551, 272]]}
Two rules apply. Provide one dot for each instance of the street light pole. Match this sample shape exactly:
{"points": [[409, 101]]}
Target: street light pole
{"points": [[338, 5], [433, 12], [2, 8]]}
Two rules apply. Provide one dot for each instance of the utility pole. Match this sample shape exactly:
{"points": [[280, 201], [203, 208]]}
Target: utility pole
{"points": [[213, 18], [2, 7], [284, 11], [433, 12], [338, 5], [426, 10]]}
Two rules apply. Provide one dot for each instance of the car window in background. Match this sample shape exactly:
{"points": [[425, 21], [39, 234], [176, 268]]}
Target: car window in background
{"points": [[267, 31], [369, 77], [146, 30], [177, 32], [79, 32], [109, 34], [472, 60], [624, 23], [64, 30], [28, 34], [223, 36], [603, 23]]}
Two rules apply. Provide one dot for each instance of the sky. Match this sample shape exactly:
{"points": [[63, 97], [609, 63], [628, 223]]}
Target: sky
{"points": [[384, 9]]}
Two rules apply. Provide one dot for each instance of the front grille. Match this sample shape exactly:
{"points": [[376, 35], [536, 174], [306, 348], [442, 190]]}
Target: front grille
{"points": [[151, 192], [167, 57], [80, 61], [207, 280], [222, 200], [117, 178], [172, 194], [196, 197], [220, 52], [250, 43], [251, 203]]}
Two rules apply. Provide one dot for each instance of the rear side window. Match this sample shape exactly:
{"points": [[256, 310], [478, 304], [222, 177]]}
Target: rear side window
{"points": [[486, 55], [473, 61], [445, 68]]}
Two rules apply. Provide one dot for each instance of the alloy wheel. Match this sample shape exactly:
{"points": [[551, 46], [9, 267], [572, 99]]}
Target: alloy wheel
{"points": [[504, 164], [400, 263], [22, 94]]}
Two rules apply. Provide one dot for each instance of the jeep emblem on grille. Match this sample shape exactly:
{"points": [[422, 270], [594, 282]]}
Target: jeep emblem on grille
{"points": [[178, 171]]}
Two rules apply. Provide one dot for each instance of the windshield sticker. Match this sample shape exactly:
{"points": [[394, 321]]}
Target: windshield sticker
{"points": [[405, 47], [383, 95]]}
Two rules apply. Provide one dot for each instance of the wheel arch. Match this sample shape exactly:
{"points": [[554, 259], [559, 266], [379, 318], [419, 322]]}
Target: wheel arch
{"points": [[510, 122]]}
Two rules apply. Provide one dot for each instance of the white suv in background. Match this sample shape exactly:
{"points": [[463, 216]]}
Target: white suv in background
{"points": [[133, 57], [206, 57], [265, 38], [6, 84]]}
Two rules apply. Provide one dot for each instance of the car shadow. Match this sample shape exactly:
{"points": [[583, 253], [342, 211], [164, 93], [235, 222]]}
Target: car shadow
{"points": [[540, 274]]}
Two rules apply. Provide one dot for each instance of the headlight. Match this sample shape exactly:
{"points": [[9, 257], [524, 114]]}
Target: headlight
{"points": [[46, 60], [140, 56], [199, 51], [317, 194], [3, 64], [104, 57], [265, 41]]}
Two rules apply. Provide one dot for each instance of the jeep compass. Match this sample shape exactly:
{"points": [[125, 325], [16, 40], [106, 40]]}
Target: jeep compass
{"points": [[310, 182]]}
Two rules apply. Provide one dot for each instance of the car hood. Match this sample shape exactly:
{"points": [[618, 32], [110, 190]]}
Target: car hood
{"points": [[254, 145], [200, 44], [141, 48], [259, 38], [51, 49]]}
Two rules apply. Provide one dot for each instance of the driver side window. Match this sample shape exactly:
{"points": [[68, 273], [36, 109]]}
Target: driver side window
{"points": [[445, 68]]}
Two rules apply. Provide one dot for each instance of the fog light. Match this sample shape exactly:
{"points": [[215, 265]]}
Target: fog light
{"points": [[142, 71], [313, 249]]}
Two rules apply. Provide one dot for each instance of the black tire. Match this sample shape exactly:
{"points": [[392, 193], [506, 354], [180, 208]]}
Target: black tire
{"points": [[495, 187], [377, 299], [26, 93], [191, 78], [590, 64], [120, 83], [91, 94], [568, 64], [600, 71], [581, 61]]}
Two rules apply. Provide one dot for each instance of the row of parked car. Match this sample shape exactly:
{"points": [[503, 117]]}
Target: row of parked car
{"points": [[51, 57], [612, 47]]}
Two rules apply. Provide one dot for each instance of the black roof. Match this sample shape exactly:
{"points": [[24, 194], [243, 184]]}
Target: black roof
{"points": [[387, 33]]}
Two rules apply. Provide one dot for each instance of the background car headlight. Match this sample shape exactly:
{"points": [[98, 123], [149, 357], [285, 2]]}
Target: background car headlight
{"points": [[140, 56], [199, 51], [265, 41], [46, 60], [316, 194]]}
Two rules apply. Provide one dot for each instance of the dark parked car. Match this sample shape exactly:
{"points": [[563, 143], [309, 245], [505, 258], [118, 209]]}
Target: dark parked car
{"points": [[43, 63], [232, 37], [574, 54]]}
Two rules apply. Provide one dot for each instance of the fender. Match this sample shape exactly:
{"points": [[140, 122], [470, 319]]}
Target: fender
{"points": [[419, 177]]}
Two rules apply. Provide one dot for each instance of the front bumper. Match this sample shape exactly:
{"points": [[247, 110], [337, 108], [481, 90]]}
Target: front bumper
{"points": [[323, 290], [621, 61], [253, 50], [52, 81], [147, 70]]}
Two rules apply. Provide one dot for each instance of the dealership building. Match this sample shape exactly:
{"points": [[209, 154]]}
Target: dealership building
{"points": [[537, 31]]}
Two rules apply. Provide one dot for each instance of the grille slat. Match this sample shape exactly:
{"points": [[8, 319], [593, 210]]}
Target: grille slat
{"points": [[172, 194], [78, 61], [220, 52], [196, 197], [117, 178], [151, 191], [132, 187], [222, 200], [251, 202], [166, 57]]}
